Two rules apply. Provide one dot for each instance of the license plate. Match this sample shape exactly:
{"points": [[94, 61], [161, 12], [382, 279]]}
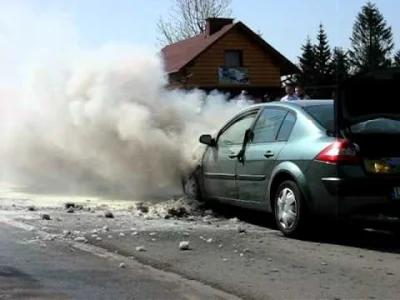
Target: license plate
{"points": [[396, 193]]}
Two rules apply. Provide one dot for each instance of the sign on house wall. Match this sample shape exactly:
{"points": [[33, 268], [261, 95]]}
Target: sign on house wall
{"points": [[236, 75]]}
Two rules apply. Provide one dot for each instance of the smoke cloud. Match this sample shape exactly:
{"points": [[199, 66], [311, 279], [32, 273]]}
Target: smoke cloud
{"points": [[93, 122]]}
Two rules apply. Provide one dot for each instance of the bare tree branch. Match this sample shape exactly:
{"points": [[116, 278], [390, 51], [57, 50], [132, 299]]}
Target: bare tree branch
{"points": [[188, 18]]}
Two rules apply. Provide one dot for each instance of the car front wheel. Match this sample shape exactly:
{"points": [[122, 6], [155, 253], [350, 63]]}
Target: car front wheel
{"points": [[191, 187], [290, 210]]}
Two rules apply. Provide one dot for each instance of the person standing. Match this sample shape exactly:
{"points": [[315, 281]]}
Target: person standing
{"points": [[290, 94], [301, 93]]}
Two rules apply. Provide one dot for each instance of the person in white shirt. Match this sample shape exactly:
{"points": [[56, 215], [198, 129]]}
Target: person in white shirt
{"points": [[290, 94], [301, 93]]}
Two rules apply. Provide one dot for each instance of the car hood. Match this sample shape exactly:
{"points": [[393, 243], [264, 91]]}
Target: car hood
{"points": [[368, 96]]}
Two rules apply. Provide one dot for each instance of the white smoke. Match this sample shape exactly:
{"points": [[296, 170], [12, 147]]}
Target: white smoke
{"points": [[98, 121]]}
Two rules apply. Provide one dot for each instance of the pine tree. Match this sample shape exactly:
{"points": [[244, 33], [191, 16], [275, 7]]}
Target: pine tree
{"points": [[396, 59], [322, 58], [339, 65], [372, 40], [307, 64]]}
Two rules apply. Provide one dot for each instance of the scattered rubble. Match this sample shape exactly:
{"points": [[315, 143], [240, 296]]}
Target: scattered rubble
{"points": [[31, 208], [69, 205], [175, 209], [108, 214], [45, 217], [80, 239], [184, 245], [140, 249], [142, 207], [240, 229]]}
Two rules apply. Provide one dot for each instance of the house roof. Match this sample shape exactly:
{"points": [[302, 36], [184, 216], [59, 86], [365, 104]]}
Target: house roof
{"points": [[179, 55]]}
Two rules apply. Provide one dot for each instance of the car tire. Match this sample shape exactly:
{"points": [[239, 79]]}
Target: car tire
{"points": [[191, 187], [290, 209]]}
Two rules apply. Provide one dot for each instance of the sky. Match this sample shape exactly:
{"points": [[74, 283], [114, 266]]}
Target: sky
{"points": [[284, 24]]}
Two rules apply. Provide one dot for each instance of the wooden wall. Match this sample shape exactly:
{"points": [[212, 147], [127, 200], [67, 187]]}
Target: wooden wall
{"points": [[262, 70]]}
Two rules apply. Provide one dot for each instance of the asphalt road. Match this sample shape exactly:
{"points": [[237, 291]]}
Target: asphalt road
{"points": [[257, 263], [31, 268]]}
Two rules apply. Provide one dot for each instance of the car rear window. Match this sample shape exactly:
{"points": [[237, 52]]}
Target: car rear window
{"points": [[323, 114], [377, 125]]}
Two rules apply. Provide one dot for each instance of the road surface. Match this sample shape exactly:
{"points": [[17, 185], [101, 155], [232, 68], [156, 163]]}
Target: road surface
{"points": [[249, 258], [35, 269]]}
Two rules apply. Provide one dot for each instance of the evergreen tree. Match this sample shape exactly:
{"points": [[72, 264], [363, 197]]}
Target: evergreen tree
{"points": [[307, 64], [396, 59], [322, 58], [372, 40], [339, 65]]}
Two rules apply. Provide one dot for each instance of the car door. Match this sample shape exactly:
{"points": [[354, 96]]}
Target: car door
{"points": [[219, 162], [271, 131]]}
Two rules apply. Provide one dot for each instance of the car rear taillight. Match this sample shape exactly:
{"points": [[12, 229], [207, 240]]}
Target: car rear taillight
{"points": [[340, 151]]}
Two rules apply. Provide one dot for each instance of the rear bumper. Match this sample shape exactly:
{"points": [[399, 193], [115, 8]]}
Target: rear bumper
{"points": [[366, 199]]}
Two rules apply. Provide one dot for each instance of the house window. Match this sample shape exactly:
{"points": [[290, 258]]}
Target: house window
{"points": [[233, 58]]}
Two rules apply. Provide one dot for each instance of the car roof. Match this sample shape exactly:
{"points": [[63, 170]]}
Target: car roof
{"points": [[294, 104]]}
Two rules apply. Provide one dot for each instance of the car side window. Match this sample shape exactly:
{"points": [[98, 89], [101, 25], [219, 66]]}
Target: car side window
{"points": [[234, 134], [286, 127], [268, 124]]}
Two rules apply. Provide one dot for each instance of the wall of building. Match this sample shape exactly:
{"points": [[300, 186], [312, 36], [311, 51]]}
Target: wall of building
{"points": [[261, 68]]}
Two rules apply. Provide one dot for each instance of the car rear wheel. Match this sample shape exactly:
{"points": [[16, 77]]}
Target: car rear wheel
{"points": [[290, 210]]}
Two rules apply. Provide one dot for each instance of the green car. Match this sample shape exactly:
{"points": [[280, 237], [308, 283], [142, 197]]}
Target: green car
{"points": [[306, 158]]}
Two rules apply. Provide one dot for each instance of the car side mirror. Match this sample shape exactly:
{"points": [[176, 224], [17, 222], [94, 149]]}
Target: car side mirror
{"points": [[207, 139]]}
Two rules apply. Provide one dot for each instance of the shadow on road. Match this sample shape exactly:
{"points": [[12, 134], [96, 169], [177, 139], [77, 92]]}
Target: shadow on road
{"points": [[334, 233]]}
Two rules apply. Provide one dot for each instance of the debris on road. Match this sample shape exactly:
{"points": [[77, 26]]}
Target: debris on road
{"points": [[80, 239], [108, 214], [142, 207], [184, 245], [240, 229], [31, 208], [140, 249], [45, 217], [69, 205], [175, 209]]}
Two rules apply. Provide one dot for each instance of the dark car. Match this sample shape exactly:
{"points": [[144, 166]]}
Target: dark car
{"points": [[310, 157]]}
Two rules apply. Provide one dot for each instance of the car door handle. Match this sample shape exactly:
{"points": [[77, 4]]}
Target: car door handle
{"points": [[268, 154]]}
